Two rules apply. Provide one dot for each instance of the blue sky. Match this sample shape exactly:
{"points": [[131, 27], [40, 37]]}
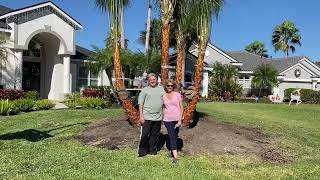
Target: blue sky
{"points": [[240, 23]]}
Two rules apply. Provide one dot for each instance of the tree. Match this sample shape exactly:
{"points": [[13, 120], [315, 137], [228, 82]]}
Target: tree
{"points": [[114, 8], [147, 39], [258, 48], [167, 8], [4, 39], [105, 6], [285, 36], [202, 12], [224, 81], [265, 77]]}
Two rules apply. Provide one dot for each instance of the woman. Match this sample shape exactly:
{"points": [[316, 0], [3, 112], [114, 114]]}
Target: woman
{"points": [[173, 111]]}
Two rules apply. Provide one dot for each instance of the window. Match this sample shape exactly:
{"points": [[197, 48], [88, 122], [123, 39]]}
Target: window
{"points": [[85, 78]]}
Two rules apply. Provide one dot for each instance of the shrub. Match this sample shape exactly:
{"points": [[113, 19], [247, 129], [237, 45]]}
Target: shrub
{"points": [[73, 104], [11, 94], [34, 95], [93, 93], [7, 108], [73, 96], [99, 91], [307, 95], [44, 104], [95, 102], [24, 105]]}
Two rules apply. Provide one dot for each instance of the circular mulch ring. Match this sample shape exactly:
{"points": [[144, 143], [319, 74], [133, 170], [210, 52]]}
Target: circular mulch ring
{"points": [[207, 137]]}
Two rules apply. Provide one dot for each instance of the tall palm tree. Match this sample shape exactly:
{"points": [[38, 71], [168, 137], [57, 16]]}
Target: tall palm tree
{"points": [[3, 51], [167, 9], [285, 36], [114, 8], [182, 24], [147, 39], [265, 77], [202, 11], [123, 41], [258, 48]]}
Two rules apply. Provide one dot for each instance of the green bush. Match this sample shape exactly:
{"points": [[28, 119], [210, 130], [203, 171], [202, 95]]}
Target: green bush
{"points": [[44, 104], [34, 95], [92, 102], [73, 96], [307, 95], [7, 108], [24, 105], [73, 104]]}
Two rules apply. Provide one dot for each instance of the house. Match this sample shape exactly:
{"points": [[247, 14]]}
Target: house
{"points": [[294, 72], [42, 52]]}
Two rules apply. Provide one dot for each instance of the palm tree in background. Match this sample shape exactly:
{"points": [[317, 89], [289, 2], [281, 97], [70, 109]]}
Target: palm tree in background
{"points": [[258, 48], [285, 36], [167, 9], [114, 9], [149, 21], [265, 77], [202, 12]]}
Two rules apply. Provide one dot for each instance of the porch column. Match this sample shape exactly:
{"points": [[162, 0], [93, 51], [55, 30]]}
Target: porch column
{"points": [[18, 70], [205, 84], [314, 84], [66, 74]]}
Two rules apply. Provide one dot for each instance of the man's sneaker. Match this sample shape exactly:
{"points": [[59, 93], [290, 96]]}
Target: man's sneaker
{"points": [[142, 155], [175, 161]]}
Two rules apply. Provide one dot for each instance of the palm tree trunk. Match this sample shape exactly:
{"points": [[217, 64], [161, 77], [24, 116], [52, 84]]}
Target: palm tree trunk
{"points": [[122, 36], [146, 46], [198, 78], [180, 53], [165, 52], [132, 112]]}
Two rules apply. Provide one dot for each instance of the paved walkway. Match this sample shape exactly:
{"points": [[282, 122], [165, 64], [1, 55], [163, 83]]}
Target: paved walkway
{"points": [[60, 105]]}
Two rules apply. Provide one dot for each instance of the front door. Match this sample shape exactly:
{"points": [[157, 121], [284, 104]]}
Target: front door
{"points": [[31, 76]]}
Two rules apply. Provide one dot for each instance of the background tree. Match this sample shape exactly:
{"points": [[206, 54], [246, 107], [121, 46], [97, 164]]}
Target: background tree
{"points": [[202, 11], [167, 9], [265, 77], [114, 8], [285, 36], [224, 82], [149, 20], [258, 48]]}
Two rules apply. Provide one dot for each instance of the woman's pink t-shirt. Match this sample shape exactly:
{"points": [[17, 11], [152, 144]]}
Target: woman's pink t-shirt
{"points": [[171, 103]]}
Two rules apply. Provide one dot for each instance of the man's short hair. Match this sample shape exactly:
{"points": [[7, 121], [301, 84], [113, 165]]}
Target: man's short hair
{"points": [[152, 74]]}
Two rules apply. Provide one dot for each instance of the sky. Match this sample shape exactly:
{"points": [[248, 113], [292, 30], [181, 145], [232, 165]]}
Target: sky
{"points": [[240, 23]]}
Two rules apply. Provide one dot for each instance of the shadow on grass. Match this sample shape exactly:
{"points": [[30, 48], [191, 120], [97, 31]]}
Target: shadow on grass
{"points": [[34, 135]]}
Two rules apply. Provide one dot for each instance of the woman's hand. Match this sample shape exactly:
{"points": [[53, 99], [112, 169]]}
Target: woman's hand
{"points": [[178, 124], [141, 120]]}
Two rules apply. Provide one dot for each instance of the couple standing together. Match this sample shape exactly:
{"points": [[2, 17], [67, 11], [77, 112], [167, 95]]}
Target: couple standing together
{"points": [[156, 104]]}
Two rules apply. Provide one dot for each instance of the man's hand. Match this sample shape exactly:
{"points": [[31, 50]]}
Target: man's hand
{"points": [[141, 120]]}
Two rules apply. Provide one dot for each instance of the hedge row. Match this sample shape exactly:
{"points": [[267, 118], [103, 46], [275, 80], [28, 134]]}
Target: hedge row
{"points": [[307, 95]]}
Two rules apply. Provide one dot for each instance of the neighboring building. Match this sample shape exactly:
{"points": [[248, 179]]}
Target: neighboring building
{"points": [[43, 54], [294, 72]]}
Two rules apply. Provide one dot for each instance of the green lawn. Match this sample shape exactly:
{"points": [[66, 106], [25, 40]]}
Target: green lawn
{"points": [[40, 145]]}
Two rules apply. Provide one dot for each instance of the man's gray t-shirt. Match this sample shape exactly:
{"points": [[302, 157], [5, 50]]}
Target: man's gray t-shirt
{"points": [[151, 98]]}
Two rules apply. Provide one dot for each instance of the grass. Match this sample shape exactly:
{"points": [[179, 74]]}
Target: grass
{"points": [[41, 145]]}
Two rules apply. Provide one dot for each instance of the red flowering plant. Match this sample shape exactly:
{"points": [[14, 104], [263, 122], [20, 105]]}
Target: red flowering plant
{"points": [[11, 94]]}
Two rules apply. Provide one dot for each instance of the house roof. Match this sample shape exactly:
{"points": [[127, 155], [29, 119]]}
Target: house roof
{"points": [[4, 10], [9, 12], [83, 50], [252, 61], [318, 63]]}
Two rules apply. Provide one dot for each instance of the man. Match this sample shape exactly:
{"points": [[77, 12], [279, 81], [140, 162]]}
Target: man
{"points": [[150, 108]]}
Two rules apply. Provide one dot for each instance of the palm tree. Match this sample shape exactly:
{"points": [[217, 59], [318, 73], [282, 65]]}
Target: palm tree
{"points": [[258, 48], [167, 9], [202, 12], [285, 36], [149, 20], [114, 8], [265, 77], [3, 51], [182, 24]]}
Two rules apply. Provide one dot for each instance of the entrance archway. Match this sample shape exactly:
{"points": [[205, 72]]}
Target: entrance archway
{"points": [[43, 66]]}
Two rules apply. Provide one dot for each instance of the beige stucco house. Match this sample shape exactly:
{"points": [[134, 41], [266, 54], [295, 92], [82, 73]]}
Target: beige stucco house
{"points": [[43, 54], [294, 72]]}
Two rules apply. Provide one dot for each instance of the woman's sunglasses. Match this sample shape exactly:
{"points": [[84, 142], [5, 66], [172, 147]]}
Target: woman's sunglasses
{"points": [[169, 85]]}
